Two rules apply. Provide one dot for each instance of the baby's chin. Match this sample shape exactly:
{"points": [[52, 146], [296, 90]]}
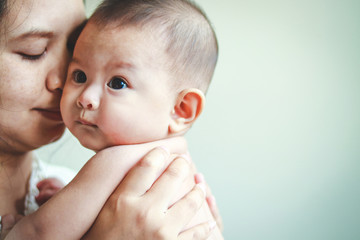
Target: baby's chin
{"points": [[94, 144], [94, 147]]}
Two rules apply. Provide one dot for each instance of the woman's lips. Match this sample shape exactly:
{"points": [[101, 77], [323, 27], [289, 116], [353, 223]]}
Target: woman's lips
{"points": [[51, 114]]}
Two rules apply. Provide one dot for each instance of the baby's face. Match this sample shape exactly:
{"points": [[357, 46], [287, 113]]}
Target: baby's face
{"points": [[117, 91]]}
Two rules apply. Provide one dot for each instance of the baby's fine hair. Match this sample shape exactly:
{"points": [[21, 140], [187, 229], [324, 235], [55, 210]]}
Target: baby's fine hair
{"points": [[190, 40]]}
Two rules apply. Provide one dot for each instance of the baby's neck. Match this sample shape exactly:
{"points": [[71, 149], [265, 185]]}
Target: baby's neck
{"points": [[157, 142]]}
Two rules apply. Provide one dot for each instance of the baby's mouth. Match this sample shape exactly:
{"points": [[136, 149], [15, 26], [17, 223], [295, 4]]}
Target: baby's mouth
{"points": [[87, 123]]}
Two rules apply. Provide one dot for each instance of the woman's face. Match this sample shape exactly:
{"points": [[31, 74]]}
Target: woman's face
{"points": [[35, 47]]}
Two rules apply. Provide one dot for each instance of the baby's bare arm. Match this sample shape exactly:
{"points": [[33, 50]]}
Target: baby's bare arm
{"points": [[71, 212]]}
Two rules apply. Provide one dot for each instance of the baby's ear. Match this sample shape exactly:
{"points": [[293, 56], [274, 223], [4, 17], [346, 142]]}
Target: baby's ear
{"points": [[189, 104]]}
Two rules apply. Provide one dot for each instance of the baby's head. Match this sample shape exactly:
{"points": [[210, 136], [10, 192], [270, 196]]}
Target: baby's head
{"points": [[139, 72], [186, 36]]}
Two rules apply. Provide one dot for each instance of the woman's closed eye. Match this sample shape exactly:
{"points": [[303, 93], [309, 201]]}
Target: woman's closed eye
{"points": [[32, 56], [117, 83]]}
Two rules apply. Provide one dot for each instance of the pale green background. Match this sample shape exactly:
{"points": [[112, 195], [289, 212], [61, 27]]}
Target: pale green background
{"points": [[279, 141]]}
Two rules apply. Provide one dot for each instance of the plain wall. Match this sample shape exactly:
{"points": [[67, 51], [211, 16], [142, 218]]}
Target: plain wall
{"points": [[279, 140]]}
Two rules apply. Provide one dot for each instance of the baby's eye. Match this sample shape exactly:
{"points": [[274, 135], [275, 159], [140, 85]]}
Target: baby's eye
{"points": [[79, 76], [117, 83]]}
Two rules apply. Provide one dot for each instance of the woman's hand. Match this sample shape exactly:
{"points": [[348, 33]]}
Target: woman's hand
{"points": [[7, 223], [210, 199], [138, 208]]}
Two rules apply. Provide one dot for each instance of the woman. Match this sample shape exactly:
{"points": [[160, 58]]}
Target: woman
{"points": [[36, 40]]}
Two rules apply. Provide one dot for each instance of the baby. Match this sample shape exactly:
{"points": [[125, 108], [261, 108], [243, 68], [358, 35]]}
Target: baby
{"points": [[139, 73], [137, 79]]}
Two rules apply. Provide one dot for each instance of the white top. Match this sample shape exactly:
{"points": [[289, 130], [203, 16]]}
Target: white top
{"points": [[42, 170]]}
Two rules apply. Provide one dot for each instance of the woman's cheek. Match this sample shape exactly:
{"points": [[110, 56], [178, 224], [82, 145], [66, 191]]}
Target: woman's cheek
{"points": [[18, 92], [65, 106]]}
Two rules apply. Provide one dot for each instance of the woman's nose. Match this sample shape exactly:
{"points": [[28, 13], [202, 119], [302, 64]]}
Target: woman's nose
{"points": [[88, 99], [57, 75], [55, 83]]}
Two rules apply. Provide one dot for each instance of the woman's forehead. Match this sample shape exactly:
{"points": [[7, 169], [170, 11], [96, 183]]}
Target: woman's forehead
{"points": [[42, 15]]}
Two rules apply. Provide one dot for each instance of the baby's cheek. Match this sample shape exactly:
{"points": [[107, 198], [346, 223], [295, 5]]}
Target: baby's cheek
{"points": [[120, 132]]}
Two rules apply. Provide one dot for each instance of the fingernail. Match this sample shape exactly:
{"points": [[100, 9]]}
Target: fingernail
{"points": [[212, 225], [202, 187], [200, 178], [211, 201]]}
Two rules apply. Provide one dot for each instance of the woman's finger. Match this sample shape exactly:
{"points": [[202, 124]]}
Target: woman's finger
{"points": [[215, 211], [199, 232], [141, 177], [8, 221], [180, 214], [170, 183], [210, 199]]}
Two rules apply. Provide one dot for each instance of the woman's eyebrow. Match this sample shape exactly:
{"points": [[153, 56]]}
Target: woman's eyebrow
{"points": [[35, 33]]}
